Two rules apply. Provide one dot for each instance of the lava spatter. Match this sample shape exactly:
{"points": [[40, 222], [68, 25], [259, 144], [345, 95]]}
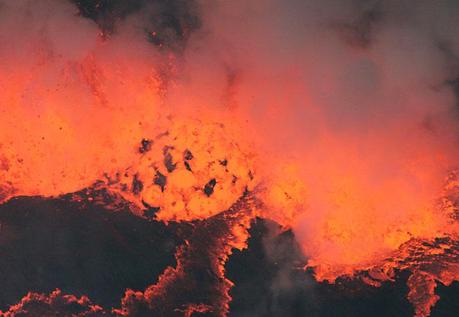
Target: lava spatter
{"points": [[178, 172], [369, 124]]}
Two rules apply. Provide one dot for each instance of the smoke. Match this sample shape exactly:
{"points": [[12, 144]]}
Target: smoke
{"points": [[349, 104], [74, 103], [356, 94]]}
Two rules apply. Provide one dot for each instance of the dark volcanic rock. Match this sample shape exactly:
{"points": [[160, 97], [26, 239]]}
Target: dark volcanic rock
{"points": [[209, 187], [85, 249], [52, 243], [269, 281]]}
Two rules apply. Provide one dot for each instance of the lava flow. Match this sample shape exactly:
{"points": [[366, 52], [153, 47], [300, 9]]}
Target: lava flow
{"points": [[337, 120]]}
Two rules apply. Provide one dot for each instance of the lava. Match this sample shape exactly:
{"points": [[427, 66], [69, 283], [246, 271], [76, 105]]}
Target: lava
{"points": [[55, 304], [343, 137], [200, 263], [187, 172], [58, 100]]}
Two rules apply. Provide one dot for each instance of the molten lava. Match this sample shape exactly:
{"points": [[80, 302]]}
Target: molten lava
{"points": [[189, 171], [115, 113]]}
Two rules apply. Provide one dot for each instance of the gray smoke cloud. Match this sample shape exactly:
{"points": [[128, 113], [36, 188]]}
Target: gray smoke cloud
{"points": [[358, 94]]}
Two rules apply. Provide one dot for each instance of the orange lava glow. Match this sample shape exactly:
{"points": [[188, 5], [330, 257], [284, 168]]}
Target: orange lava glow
{"points": [[190, 170], [357, 198], [70, 114]]}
